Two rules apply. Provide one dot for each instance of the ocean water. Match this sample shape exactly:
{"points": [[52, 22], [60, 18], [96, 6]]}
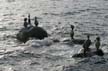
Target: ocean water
{"points": [[55, 16]]}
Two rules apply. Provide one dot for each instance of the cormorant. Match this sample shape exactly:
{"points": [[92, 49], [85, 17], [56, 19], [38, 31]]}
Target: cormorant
{"points": [[25, 22], [72, 32], [97, 44], [36, 22], [86, 44], [29, 20]]}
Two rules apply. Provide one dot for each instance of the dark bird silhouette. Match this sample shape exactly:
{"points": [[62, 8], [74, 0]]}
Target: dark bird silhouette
{"points": [[97, 43], [25, 22], [29, 20], [72, 32], [86, 44], [35, 21]]}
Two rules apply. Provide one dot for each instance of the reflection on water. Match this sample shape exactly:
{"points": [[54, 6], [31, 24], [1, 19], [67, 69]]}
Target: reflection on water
{"points": [[56, 16]]}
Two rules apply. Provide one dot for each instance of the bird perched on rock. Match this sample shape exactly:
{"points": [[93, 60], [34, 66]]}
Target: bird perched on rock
{"points": [[86, 44], [29, 20], [97, 44], [25, 22], [72, 32], [36, 22]]}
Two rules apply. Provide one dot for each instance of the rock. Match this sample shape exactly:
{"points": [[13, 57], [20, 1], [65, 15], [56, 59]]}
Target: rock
{"points": [[78, 41], [31, 32], [81, 55], [56, 40], [22, 36], [99, 52], [89, 54]]}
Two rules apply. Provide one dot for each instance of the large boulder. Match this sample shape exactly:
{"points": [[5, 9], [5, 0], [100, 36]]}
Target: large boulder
{"points": [[31, 32]]}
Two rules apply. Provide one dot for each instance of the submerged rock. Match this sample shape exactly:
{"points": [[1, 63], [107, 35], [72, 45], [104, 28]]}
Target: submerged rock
{"points": [[31, 32], [78, 41], [73, 41]]}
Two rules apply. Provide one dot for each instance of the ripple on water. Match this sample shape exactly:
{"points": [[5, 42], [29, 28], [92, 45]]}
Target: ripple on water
{"points": [[51, 53]]}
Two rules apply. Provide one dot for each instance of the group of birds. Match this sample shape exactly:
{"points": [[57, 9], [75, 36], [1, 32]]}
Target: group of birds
{"points": [[27, 21], [87, 42]]}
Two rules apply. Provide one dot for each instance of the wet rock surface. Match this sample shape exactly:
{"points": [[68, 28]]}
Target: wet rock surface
{"points": [[31, 32]]}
